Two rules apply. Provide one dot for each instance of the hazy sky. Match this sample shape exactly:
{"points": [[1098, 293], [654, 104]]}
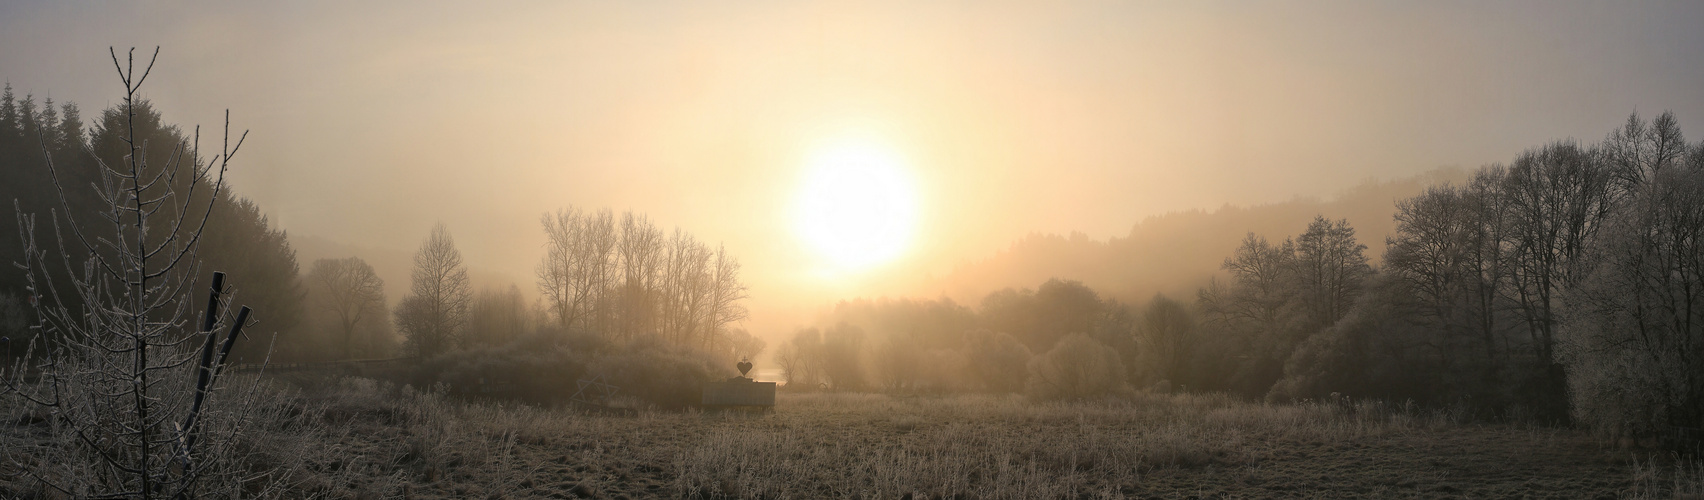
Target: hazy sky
{"points": [[371, 121]]}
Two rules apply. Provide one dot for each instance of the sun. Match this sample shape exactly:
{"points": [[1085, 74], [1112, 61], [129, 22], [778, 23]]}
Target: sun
{"points": [[857, 206]]}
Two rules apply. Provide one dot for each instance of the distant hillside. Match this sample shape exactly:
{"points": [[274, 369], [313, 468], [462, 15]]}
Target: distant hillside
{"points": [[1178, 252]]}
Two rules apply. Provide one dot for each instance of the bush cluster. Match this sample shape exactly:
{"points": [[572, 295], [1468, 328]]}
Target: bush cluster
{"points": [[1077, 368], [544, 369]]}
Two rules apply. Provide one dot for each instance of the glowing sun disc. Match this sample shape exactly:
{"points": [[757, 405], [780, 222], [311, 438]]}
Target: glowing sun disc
{"points": [[857, 208]]}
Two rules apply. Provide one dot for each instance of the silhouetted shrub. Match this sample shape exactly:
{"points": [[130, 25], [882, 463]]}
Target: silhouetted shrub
{"points": [[668, 376], [1078, 367], [545, 368], [1167, 341], [1369, 354], [1327, 362], [536, 369], [998, 361]]}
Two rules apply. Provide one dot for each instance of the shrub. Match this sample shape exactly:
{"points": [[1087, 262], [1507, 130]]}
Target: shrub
{"points": [[998, 361], [536, 369], [670, 377], [1364, 356], [1167, 340], [545, 369], [1078, 367], [1324, 364]]}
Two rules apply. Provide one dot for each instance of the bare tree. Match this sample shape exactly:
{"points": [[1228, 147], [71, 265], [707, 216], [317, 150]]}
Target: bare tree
{"points": [[686, 275], [558, 277], [1250, 318], [1557, 198], [1330, 267], [840, 358], [740, 344], [1637, 152], [598, 243], [432, 317], [1426, 251], [132, 382], [350, 291], [801, 358], [1634, 336], [641, 253], [725, 293], [1429, 255], [1486, 246], [1258, 282], [791, 361]]}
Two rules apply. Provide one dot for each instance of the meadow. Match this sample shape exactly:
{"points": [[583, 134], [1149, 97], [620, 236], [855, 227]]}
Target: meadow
{"points": [[360, 438]]}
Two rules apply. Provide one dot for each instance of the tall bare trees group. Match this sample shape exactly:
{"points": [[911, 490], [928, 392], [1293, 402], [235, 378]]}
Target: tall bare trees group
{"points": [[1632, 333], [1567, 279], [627, 280]]}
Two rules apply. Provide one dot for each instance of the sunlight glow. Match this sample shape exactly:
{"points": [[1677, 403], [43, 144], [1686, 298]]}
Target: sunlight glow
{"points": [[857, 206]]}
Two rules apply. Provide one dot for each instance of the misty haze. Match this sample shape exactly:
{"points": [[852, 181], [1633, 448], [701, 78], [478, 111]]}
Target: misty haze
{"points": [[851, 250]]}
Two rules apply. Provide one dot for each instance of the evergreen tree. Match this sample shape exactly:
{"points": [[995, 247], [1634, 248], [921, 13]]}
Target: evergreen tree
{"points": [[9, 133], [238, 237]]}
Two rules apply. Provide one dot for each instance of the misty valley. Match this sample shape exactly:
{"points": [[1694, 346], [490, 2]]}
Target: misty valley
{"points": [[893, 309]]}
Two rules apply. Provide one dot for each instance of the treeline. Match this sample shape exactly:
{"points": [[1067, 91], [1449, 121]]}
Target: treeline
{"points": [[238, 238], [649, 314], [623, 283], [619, 281], [1568, 284]]}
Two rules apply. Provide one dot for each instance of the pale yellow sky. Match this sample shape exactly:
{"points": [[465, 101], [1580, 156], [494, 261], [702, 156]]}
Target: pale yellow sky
{"points": [[371, 120]]}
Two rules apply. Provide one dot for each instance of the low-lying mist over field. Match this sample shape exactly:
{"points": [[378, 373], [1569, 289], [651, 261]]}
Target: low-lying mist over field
{"points": [[851, 249]]}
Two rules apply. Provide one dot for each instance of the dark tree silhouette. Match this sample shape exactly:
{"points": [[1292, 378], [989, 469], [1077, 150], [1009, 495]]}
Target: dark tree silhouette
{"points": [[432, 317], [351, 292]]}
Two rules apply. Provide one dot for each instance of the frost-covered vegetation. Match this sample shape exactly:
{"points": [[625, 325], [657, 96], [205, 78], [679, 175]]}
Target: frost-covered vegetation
{"points": [[359, 438]]}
